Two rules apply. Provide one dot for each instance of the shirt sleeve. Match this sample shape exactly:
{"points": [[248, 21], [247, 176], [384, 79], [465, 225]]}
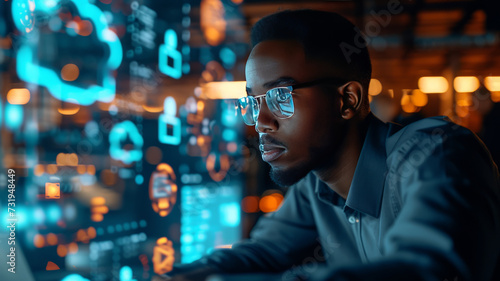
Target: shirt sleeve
{"points": [[448, 227], [278, 241]]}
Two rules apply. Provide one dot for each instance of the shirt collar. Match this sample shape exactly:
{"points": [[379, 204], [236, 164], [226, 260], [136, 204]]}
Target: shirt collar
{"points": [[365, 193]]}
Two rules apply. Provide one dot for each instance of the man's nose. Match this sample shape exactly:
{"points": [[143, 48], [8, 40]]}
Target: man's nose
{"points": [[266, 121]]}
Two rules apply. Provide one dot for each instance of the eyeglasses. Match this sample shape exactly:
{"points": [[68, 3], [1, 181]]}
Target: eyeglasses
{"points": [[279, 100]]}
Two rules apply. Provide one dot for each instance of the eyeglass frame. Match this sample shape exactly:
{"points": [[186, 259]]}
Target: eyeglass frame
{"points": [[291, 88]]}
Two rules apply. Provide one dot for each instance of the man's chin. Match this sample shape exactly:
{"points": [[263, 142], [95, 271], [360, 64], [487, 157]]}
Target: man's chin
{"points": [[287, 177]]}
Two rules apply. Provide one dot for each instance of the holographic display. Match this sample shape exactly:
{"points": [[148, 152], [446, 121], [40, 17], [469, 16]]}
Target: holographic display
{"points": [[125, 168], [207, 223]]}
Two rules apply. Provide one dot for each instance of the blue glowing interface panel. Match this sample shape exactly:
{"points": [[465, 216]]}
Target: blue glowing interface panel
{"points": [[114, 162], [205, 208]]}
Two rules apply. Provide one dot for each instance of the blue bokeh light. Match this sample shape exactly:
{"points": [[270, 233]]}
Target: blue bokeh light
{"points": [[74, 277], [230, 214], [14, 115], [53, 213]]}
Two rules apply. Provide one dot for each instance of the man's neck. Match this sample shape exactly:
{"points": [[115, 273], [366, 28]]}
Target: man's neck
{"points": [[339, 175]]}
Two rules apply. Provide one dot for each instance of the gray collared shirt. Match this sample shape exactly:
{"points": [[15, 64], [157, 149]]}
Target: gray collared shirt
{"points": [[424, 204]]}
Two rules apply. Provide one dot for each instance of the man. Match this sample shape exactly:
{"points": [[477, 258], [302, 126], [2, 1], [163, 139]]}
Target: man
{"points": [[368, 200]]}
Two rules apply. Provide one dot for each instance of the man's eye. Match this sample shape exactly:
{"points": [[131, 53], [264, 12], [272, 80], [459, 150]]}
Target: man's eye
{"points": [[281, 97]]}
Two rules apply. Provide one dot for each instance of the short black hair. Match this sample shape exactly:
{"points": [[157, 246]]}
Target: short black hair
{"points": [[325, 36]]}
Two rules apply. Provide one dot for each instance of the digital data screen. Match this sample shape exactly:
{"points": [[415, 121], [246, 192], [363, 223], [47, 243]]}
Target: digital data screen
{"points": [[121, 149]]}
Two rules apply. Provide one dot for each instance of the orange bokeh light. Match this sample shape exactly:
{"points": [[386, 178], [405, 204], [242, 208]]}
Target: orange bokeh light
{"points": [[72, 159], [97, 201], [375, 87], [51, 239], [70, 72], [466, 84], [222, 89], [270, 203], [18, 96], [51, 169], [163, 203], [161, 241], [60, 159], [67, 159], [492, 83], [39, 241], [418, 98], [39, 170], [91, 232], [98, 208], [68, 108], [91, 170], [250, 204], [407, 105], [212, 21], [81, 235], [84, 28], [433, 84], [72, 248], [495, 96], [97, 217], [200, 105], [81, 169], [62, 250]]}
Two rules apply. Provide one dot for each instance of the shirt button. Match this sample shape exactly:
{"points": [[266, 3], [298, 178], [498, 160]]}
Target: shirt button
{"points": [[352, 219]]}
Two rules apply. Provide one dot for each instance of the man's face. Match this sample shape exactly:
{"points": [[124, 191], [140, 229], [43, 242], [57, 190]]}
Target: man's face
{"points": [[311, 138]]}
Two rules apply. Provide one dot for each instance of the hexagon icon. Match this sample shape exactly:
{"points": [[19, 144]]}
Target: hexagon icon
{"points": [[30, 70]]}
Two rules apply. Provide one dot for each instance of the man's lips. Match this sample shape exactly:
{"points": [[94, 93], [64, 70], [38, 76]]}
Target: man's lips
{"points": [[271, 152], [270, 147]]}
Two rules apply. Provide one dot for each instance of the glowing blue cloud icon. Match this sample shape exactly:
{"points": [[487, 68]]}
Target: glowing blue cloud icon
{"points": [[118, 134], [29, 71]]}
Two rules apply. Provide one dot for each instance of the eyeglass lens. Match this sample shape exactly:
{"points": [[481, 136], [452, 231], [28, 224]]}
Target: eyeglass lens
{"points": [[279, 101]]}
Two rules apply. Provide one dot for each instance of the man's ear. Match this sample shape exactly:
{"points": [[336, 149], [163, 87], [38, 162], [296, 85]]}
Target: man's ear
{"points": [[352, 98]]}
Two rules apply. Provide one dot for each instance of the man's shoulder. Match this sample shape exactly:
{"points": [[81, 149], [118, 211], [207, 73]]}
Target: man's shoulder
{"points": [[436, 145], [437, 130], [439, 154]]}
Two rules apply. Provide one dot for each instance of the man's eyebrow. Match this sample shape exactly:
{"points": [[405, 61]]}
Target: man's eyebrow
{"points": [[280, 82], [275, 83]]}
